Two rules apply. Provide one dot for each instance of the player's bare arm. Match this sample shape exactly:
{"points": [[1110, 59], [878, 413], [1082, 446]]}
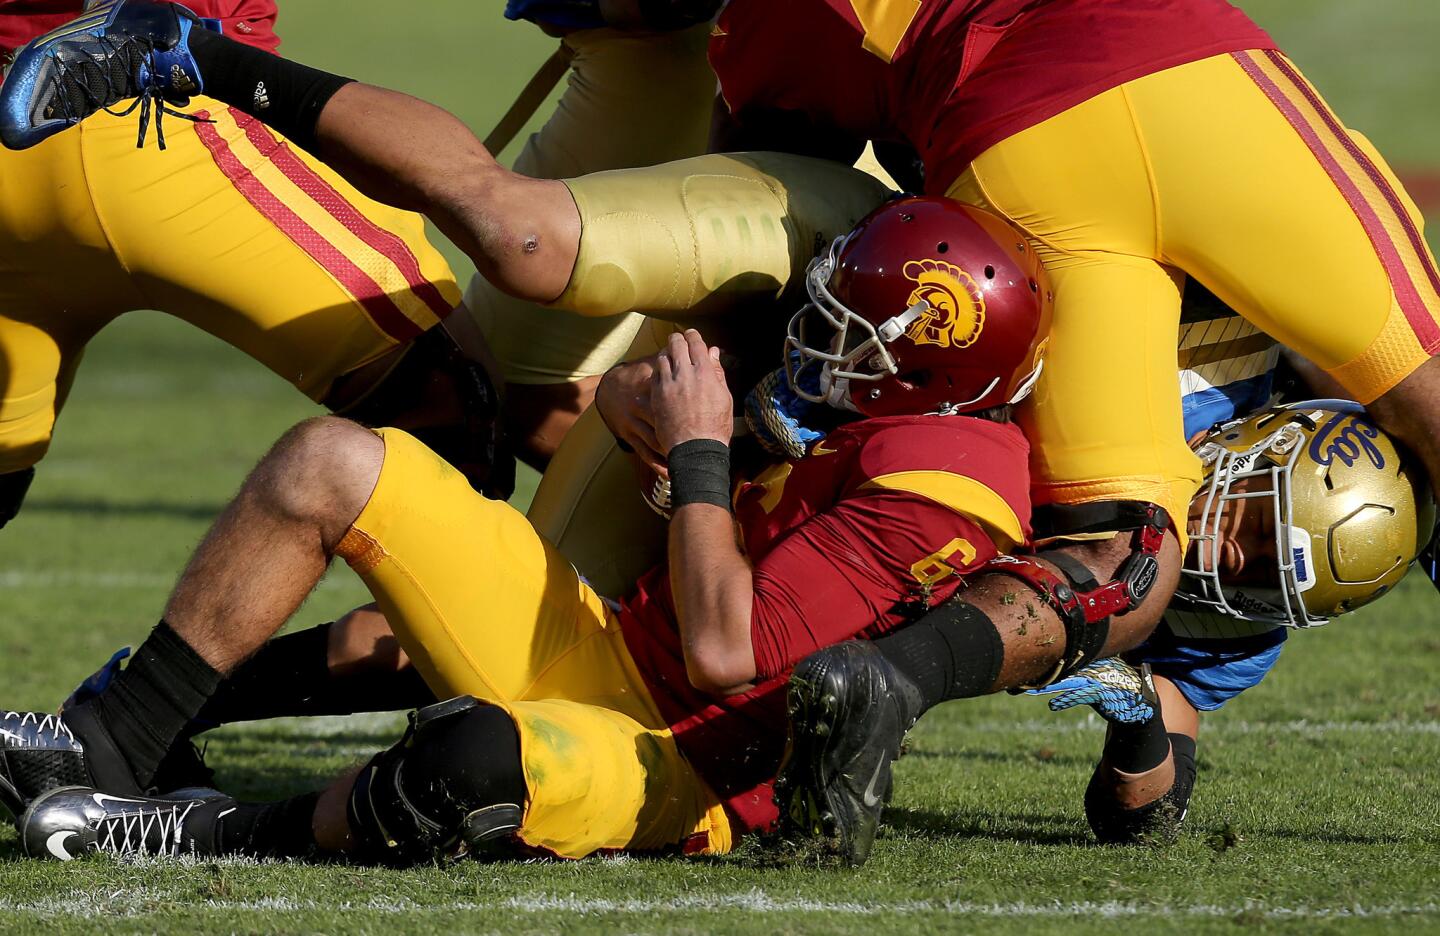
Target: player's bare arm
{"points": [[522, 233], [710, 577]]}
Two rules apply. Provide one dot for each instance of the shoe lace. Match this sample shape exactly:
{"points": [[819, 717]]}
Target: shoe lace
{"points": [[151, 830], [99, 87], [53, 724]]}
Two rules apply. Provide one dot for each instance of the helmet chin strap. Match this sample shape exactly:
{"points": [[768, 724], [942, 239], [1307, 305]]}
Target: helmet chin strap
{"points": [[1028, 383], [951, 409], [837, 391]]}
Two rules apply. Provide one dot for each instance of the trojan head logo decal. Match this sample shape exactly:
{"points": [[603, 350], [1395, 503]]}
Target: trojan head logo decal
{"points": [[956, 313]]}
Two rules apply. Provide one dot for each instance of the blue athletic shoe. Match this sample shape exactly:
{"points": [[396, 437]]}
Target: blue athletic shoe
{"points": [[115, 51]]}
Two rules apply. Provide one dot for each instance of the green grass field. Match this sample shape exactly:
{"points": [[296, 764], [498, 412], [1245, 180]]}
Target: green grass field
{"points": [[1317, 807]]}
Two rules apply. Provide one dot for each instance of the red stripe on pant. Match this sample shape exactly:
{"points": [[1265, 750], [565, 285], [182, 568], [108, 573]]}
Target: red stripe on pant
{"points": [[1372, 172], [379, 306], [386, 243], [1416, 312]]}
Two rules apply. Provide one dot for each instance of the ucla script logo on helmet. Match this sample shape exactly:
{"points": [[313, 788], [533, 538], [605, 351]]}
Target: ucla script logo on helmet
{"points": [[1345, 439], [956, 307]]}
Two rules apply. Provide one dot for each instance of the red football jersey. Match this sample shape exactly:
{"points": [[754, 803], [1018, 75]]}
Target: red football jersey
{"points": [[248, 21], [873, 527], [954, 77]]}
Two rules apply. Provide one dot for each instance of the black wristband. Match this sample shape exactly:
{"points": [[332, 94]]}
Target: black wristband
{"points": [[699, 473]]}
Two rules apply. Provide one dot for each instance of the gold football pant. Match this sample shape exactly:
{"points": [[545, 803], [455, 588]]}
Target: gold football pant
{"points": [[485, 607], [714, 241], [631, 99], [230, 229], [1231, 170]]}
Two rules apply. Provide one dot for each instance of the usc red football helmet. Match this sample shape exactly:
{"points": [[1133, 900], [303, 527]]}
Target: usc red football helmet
{"points": [[927, 306]]}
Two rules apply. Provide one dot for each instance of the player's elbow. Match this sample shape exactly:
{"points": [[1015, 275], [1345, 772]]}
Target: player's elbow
{"points": [[720, 667], [522, 233]]}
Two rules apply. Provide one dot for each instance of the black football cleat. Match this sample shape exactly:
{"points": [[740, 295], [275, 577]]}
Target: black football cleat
{"points": [[72, 822], [848, 712], [114, 51], [38, 752]]}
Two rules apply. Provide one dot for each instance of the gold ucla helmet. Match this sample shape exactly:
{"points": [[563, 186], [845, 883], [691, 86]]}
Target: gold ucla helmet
{"points": [[1349, 513]]}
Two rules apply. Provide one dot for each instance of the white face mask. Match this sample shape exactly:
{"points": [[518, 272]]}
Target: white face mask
{"points": [[1272, 462], [867, 358]]}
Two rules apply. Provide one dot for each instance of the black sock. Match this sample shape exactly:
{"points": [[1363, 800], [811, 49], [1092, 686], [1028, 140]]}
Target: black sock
{"points": [[151, 701], [1137, 748], [1183, 747], [284, 94], [268, 830], [953, 652], [291, 676]]}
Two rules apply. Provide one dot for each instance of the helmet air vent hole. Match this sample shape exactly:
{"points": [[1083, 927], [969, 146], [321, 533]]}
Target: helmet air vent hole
{"points": [[907, 216], [944, 247], [989, 272], [1034, 287]]}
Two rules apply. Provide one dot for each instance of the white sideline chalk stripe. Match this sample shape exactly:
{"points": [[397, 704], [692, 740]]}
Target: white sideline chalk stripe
{"points": [[21, 578], [26, 578], [126, 903]]}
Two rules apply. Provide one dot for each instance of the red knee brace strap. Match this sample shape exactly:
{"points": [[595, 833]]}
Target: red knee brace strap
{"points": [[1083, 605]]}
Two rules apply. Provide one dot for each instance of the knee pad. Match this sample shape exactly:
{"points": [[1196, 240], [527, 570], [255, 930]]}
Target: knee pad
{"points": [[1083, 604], [1157, 822], [453, 785], [419, 396], [694, 238]]}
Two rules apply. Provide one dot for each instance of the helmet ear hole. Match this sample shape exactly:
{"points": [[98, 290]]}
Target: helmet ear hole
{"points": [[916, 378]]}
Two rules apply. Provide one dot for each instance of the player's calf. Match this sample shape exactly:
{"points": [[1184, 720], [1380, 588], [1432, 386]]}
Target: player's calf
{"points": [[1114, 814]]}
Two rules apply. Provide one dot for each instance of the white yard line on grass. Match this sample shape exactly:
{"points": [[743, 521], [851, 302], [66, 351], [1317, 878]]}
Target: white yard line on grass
{"points": [[126, 903], [15, 579], [338, 726], [25, 578]]}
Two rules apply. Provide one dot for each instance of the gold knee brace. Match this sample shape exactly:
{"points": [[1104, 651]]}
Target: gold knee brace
{"points": [[699, 236]]}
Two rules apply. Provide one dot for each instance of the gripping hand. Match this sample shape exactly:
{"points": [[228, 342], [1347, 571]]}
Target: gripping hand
{"points": [[1118, 691]]}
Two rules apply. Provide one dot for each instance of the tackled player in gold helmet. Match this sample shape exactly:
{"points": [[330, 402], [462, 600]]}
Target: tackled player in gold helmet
{"points": [[1307, 511]]}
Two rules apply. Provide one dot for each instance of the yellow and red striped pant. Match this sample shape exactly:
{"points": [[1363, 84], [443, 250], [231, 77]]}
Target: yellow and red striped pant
{"points": [[1232, 170], [230, 228]]}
